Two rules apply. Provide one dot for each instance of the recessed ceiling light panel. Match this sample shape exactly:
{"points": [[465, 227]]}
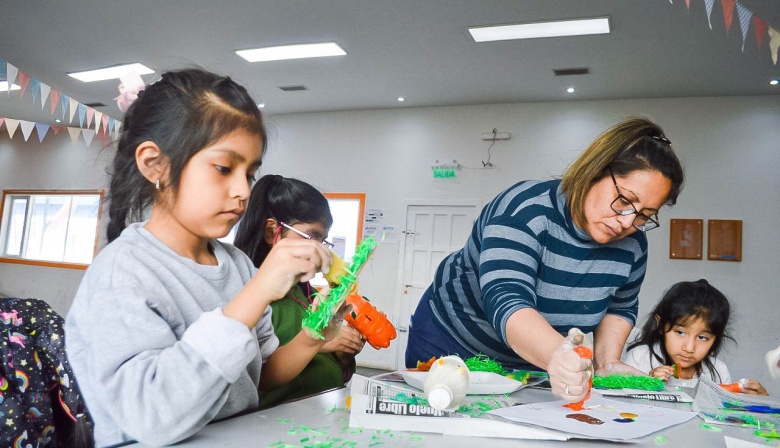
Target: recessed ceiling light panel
{"points": [[574, 27], [114, 72], [291, 52], [773, 82]]}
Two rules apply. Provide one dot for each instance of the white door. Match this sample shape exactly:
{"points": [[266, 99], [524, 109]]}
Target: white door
{"points": [[432, 232]]}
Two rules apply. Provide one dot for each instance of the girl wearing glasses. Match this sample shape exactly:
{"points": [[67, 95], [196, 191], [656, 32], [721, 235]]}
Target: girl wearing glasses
{"points": [[282, 208], [547, 259]]}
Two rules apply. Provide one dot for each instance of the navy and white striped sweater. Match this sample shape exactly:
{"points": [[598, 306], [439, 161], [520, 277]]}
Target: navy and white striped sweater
{"points": [[525, 251]]}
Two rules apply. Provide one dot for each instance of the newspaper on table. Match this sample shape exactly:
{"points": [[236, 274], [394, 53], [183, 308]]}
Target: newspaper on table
{"points": [[377, 404], [670, 395], [719, 406]]}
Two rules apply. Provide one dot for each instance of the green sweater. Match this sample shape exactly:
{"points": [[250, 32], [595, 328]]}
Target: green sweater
{"points": [[324, 370]]}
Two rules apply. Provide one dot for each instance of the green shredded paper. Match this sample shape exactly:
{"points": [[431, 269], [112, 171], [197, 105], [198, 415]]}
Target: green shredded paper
{"points": [[481, 363], [317, 320], [628, 382]]}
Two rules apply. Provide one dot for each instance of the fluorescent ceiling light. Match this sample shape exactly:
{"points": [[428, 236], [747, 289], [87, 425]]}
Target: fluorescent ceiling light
{"points": [[4, 86], [115, 72], [291, 52], [575, 27]]}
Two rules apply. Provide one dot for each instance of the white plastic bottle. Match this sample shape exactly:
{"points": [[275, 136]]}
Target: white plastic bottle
{"points": [[447, 383]]}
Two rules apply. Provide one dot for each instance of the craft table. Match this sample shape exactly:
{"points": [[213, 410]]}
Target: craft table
{"points": [[322, 419]]}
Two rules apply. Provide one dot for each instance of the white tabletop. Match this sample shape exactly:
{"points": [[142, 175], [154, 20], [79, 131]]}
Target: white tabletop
{"points": [[322, 419]]}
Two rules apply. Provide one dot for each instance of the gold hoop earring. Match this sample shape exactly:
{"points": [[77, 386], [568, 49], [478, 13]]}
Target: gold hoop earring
{"points": [[157, 185]]}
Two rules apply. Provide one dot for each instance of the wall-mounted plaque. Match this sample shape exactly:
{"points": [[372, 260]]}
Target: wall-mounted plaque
{"points": [[685, 239], [724, 239]]}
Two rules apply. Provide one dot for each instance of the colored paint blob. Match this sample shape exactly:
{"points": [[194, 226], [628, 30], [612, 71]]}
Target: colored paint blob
{"points": [[585, 418], [628, 415], [623, 420]]}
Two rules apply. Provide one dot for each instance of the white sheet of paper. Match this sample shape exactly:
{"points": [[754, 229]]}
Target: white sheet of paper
{"points": [[552, 414], [731, 442]]}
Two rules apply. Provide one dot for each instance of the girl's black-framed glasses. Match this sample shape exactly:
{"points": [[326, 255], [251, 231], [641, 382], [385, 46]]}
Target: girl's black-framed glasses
{"points": [[623, 207], [306, 235]]}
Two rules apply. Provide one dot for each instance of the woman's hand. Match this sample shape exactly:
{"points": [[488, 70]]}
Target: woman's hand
{"points": [[569, 374], [348, 341], [618, 368], [752, 387], [662, 372], [290, 261]]}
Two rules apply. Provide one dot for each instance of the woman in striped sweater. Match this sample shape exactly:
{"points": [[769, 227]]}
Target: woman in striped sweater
{"points": [[548, 258]]}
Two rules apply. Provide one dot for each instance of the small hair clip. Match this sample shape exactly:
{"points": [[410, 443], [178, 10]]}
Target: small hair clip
{"points": [[129, 88], [661, 139]]}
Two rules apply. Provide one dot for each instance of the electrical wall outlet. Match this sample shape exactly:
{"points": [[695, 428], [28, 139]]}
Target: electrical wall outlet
{"points": [[489, 136]]}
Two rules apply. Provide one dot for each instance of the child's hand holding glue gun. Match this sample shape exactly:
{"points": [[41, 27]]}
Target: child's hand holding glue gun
{"points": [[571, 368]]}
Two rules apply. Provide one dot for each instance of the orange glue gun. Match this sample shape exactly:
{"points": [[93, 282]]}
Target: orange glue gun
{"points": [[585, 353], [370, 322]]}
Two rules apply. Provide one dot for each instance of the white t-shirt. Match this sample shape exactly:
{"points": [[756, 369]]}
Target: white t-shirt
{"points": [[640, 358]]}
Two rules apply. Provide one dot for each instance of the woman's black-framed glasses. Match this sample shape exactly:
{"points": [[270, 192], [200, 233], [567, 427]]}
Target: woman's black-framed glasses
{"points": [[623, 207], [306, 235]]}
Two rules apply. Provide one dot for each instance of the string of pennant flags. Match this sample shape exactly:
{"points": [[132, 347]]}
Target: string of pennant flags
{"points": [[92, 122], [745, 18]]}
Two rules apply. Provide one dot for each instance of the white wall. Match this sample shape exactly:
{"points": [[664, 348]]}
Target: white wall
{"points": [[730, 146]]}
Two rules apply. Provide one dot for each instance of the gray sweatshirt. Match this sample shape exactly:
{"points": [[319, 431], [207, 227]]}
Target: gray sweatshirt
{"points": [[155, 358]]}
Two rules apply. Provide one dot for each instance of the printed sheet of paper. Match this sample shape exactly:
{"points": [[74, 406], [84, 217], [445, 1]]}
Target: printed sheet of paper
{"points": [[670, 395], [601, 418], [378, 405]]}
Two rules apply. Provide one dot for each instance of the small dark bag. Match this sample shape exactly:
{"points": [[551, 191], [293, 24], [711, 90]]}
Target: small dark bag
{"points": [[40, 403]]}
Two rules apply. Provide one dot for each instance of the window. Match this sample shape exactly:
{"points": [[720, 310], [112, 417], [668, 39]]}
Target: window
{"points": [[50, 228], [347, 229]]}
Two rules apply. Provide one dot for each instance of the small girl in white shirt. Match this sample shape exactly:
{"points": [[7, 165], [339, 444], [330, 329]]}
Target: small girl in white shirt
{"points": [[682, 337]]}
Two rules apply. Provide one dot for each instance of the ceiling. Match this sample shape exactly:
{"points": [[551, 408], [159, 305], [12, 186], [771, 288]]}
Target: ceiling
{"points": [[417, 49]]}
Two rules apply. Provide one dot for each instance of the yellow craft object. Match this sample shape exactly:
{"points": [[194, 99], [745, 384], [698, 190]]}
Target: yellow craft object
{"points": [[338, 269]]}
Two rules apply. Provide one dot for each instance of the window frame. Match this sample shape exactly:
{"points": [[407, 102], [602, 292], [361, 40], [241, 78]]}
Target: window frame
{"points": [[55, 264]]}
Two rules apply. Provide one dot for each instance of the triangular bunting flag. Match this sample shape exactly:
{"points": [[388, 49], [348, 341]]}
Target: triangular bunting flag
{"points": [[57, 128], [35, 88], [103, 138], [10, 74], [88, 135], [728, 12], [708, 5], [27, 127], [64, 100], [82, 114], [111, 124], [45, 90], [760, 26], [688, 5], [74, 133], [774, 43], [55, 100], [105, 123], [117, 129], [24, 80], [90, 114], [98, 120], [73, 107], [744, 21], [3, 72], [10, 126], [42, 129], [1, 121]]}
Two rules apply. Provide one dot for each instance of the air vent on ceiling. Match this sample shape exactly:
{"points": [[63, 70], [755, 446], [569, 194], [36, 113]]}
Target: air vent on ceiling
{"points": [[94, 105], [293, 88], [571, 71]]}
